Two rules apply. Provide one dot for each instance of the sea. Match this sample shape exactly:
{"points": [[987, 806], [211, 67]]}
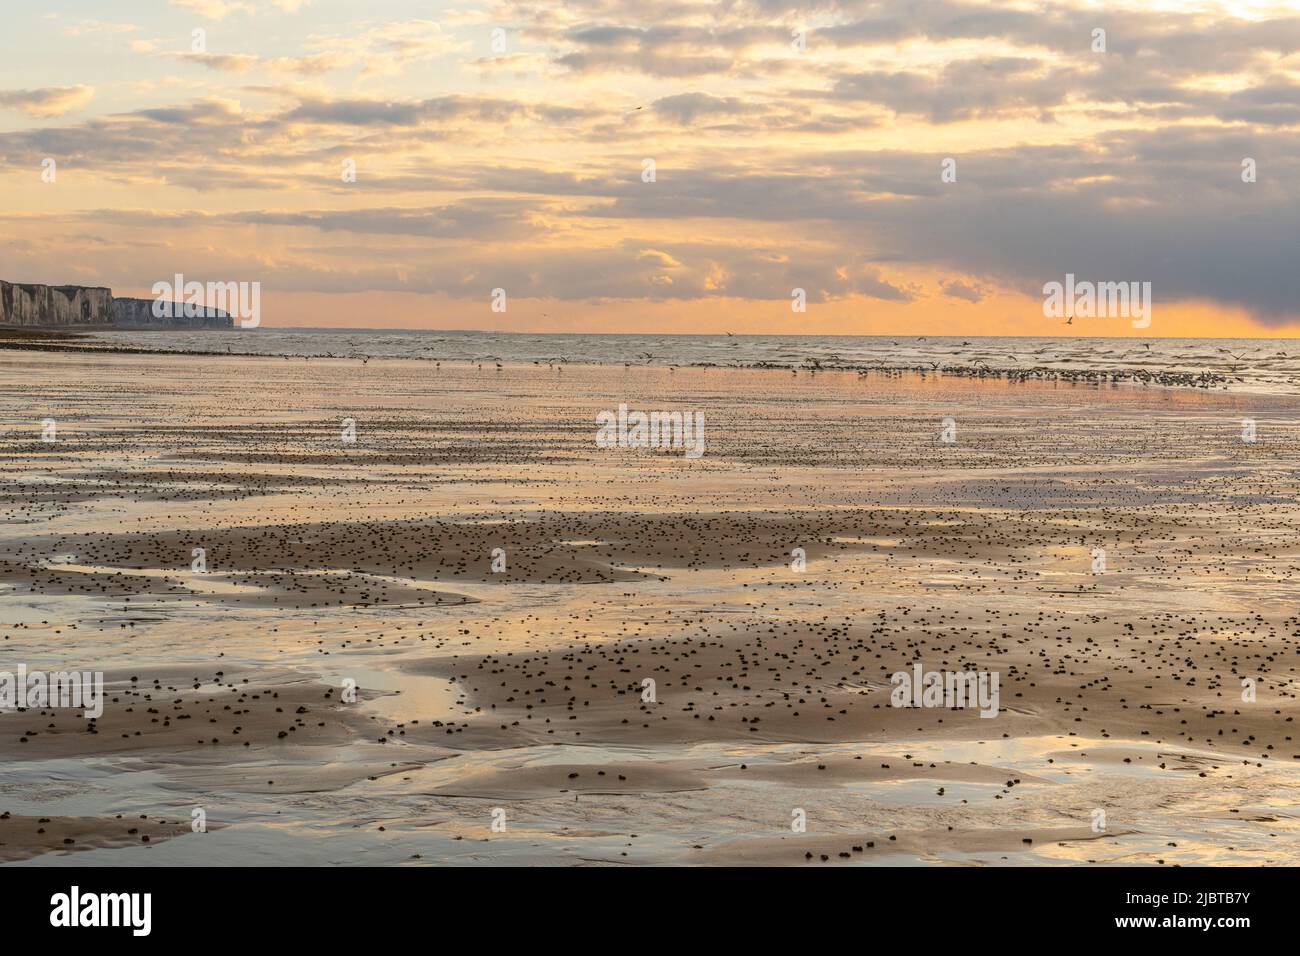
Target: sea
{"points": [[1252, 364]]}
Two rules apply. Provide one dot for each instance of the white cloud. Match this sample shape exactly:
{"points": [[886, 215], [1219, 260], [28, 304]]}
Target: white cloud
{"points": [[84, 27], [214, 9], [48, 101]]}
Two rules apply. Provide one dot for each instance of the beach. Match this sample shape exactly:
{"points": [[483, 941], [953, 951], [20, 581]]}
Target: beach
{"points": [[389, 611]]}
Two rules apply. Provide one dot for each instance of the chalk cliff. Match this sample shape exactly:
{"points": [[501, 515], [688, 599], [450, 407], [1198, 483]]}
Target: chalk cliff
{"points": [[61, 306], [138, 313]]}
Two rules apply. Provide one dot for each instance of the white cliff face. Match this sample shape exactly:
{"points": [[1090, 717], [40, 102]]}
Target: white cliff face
{"points": [[138, 313], [47, 306]]}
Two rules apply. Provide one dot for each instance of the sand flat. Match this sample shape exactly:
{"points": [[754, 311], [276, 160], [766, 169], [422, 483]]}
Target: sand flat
{"points": [[498, 591]]}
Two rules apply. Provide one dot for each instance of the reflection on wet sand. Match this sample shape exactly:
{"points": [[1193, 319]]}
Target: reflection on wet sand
{"points": [[433, 644]]}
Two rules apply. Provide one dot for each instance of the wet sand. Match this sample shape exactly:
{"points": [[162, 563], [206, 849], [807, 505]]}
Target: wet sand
{"points": [[499, 715]]}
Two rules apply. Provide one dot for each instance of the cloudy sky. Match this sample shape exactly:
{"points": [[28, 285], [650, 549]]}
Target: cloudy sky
{"points": [[503, 145]]}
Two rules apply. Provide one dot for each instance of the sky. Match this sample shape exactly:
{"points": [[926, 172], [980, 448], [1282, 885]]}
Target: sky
{"points": [[505, 145]]}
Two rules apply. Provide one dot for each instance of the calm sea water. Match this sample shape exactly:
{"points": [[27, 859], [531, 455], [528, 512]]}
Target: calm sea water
{"points": [[1268, 364]]}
